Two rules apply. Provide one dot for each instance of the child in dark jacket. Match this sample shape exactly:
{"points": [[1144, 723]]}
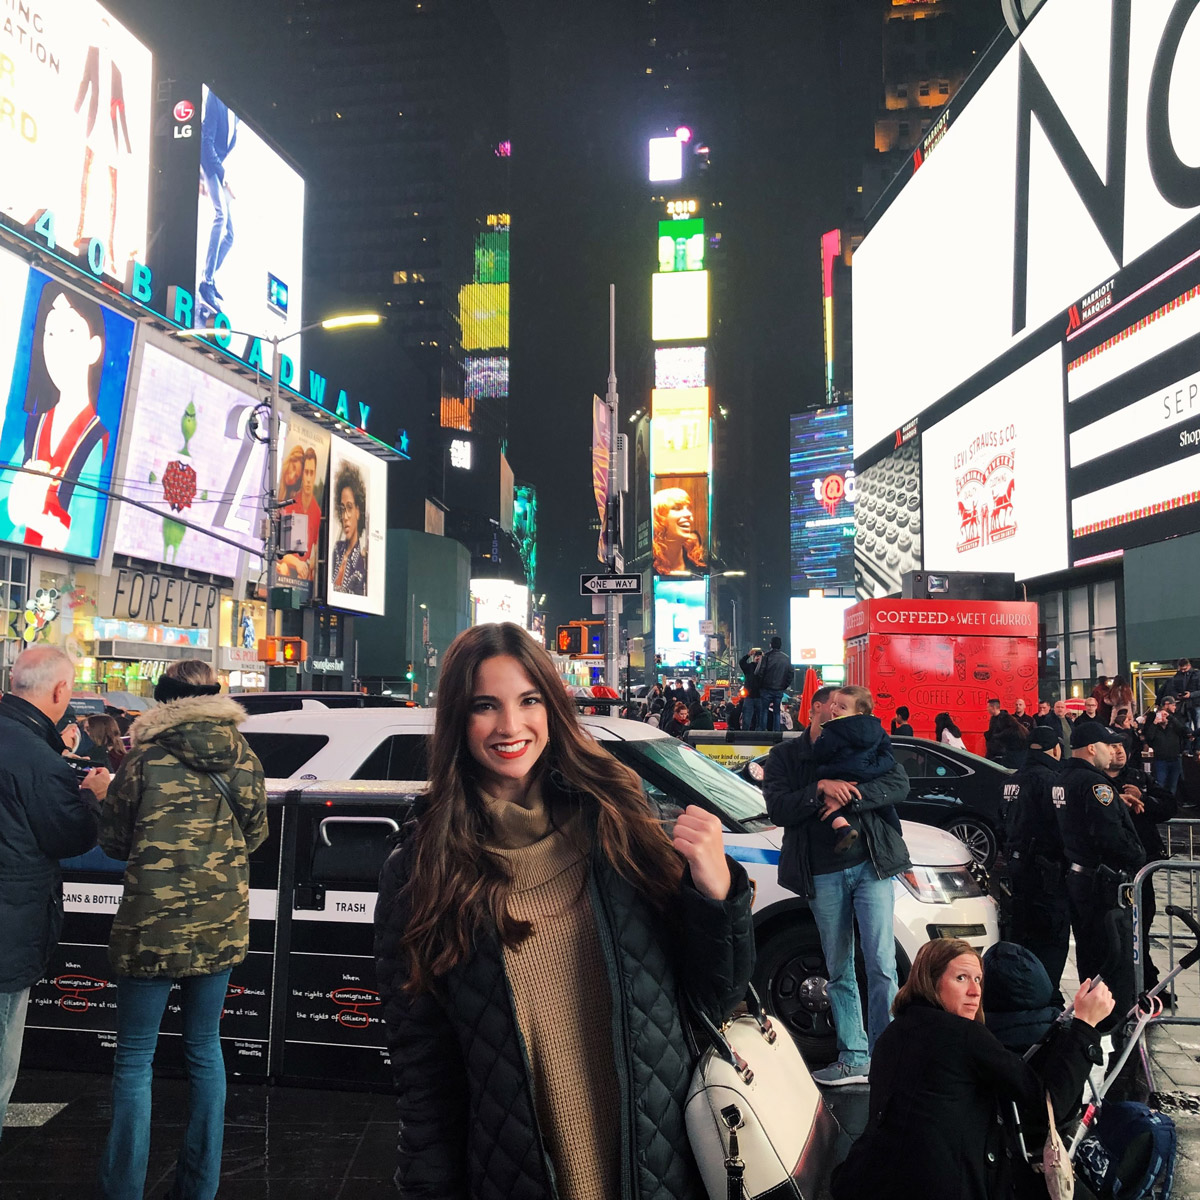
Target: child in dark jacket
{"points": [[854, 747]]}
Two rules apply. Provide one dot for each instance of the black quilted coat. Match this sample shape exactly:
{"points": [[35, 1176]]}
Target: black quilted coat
{"points": [[468, 1129]]}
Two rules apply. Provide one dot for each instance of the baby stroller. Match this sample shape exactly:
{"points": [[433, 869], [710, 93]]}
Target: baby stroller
{"points": [[1124, 1149]]}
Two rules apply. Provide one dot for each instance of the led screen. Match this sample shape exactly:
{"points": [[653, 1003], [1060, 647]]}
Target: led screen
{"points": [[1133, 417], [64, 360], [300, 494], [498, 600], [487, 377], [640, 487], [679, 607], [357, 529], [491, 257], [679, 432], [1028, 218], [666, 160], [679, 520], [525, 506], [75, 95], [817, 624], [680, 367], [483, 311], [189, 453], [681, 245], [822, 499], [887, 521], [994, 477], [679, 306], [249, 233]]}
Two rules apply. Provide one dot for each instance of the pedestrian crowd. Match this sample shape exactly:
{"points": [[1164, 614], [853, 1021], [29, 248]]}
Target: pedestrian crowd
{"points": [[544, 939]]}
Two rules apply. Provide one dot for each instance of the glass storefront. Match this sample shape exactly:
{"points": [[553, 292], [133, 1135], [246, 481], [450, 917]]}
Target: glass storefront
{"points": [[1082, 645]]}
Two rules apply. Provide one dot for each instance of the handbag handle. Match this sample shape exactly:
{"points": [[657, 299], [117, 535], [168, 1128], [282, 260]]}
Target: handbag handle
{"points": [[720, 1043]]}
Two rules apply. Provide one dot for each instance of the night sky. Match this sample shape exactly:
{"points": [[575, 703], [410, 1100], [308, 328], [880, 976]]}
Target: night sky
{"points": [[789, 125]]}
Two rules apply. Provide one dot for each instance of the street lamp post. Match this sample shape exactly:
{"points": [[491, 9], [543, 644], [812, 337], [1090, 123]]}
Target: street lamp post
{"points": [[412, 639], [221, 334]]}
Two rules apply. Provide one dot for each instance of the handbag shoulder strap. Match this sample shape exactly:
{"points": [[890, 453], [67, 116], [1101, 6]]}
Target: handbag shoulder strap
{"points": [[222, 786]]}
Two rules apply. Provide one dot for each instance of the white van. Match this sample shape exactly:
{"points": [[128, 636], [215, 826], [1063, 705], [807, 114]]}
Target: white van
{"points": [[940, 897]]}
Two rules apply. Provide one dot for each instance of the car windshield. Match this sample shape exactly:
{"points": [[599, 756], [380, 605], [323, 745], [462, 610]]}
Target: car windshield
{"points": [[726, 791]]}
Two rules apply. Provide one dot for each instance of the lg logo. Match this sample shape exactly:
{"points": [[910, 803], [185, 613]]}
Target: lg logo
{"points": [[183, 113]]}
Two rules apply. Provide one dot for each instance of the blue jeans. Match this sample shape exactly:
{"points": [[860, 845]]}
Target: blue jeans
{"points": [[842, 896], [220, 238], [752, 713], [770, 700], [140, 1006], [12, 1031], [1166, 773]]}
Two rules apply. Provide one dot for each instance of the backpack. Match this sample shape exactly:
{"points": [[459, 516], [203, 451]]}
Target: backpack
{"points": [[1129, 1154]]}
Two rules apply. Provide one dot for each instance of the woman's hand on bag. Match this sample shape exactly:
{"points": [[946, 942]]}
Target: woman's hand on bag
{"points": [[698, 838], [1092, 1006]]}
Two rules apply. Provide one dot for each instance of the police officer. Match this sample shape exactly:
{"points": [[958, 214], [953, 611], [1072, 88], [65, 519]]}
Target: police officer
{"points": [[1102, 851], [1149, 805], [1034, 849]]}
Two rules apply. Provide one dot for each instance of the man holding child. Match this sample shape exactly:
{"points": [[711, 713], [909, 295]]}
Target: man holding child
{"points": [[834, 790]]}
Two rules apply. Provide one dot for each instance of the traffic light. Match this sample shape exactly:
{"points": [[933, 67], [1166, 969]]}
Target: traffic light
{"points": [[290, 651], [570, 639], [409, 673]]}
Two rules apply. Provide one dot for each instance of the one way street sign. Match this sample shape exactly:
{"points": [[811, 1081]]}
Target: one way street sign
{"points": [[598, 585]]}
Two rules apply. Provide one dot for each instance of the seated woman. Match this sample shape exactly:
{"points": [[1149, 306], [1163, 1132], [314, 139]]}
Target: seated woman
{"points": [[941, 1086]]}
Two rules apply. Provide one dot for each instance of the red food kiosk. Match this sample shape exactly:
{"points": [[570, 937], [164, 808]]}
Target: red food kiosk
{"points": [[944, 656]]}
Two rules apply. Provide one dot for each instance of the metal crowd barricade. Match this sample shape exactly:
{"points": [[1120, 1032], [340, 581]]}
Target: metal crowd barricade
{"points": [[1177, 884]]}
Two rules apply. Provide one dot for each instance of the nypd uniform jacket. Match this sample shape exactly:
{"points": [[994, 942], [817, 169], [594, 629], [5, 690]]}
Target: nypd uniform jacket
{"points": [[1095, 824], [1031, 824]]}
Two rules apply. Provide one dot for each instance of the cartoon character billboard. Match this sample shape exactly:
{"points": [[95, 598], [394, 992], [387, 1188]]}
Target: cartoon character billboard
{"points": [[64, 360]]}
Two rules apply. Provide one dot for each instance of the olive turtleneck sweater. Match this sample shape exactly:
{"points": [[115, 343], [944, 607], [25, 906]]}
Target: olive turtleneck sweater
{"points": [[561, 994]]}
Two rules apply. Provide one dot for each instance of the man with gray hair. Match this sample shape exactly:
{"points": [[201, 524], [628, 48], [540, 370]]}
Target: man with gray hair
{"points": [[46, 813]]}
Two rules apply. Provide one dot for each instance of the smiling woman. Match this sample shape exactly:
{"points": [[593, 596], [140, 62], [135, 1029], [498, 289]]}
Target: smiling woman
{"points": [[519, 941]]}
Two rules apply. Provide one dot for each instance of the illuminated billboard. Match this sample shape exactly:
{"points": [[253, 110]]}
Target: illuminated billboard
{"points": [[679, 306], [665, 160], [681, 245], [822, 490], [64, 361], [189, 453], [994, 478], [680, 367], [679, 607], [887, 521], [525, 522], [679, 524], [680, 442], [498, 600], [357, 556], [249, 232], [486, 377], [75, 96], [1031, 222], [817, 626], [491, 257], [640, 488], [483, 313], [300, 494]]}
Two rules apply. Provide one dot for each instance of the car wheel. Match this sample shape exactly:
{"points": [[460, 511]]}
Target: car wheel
{"points": [[978, 837], [792, 979]]}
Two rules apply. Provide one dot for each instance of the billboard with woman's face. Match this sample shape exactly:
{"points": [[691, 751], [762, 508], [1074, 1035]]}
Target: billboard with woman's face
{"points": [[64, 360], [357, 528], [301, 495], [679, 524]]}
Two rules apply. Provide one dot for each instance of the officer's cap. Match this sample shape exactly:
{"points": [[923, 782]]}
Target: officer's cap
{"points": [[1087, 733], [1044, 737]]}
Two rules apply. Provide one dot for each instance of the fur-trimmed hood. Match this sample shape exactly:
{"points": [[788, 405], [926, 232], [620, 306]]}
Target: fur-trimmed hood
{"points": [[201, 731]]}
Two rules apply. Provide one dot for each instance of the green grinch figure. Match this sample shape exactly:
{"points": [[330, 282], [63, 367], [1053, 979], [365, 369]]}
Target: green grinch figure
{"points": [[188, 426]]}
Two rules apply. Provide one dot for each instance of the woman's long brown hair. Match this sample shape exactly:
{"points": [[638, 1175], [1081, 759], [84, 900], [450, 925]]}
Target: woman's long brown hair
{"points": [[454, 888]]}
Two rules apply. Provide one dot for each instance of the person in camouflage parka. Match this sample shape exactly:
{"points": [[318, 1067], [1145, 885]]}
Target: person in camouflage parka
{"points": [[184, 919], [186, 907]]}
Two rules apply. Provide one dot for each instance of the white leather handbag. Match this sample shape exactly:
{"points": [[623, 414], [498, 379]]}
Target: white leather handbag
{"points": [[756, 1121]]}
